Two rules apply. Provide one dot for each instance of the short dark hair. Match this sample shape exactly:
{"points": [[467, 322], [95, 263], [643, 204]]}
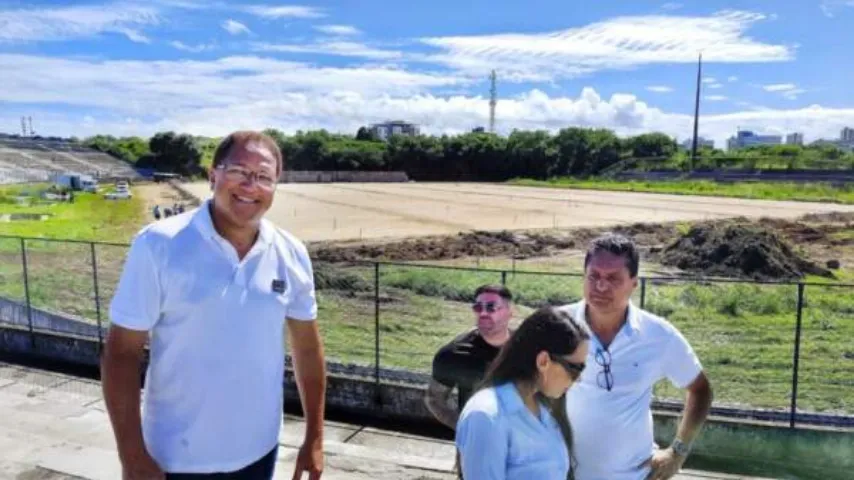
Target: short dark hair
{"points": [[618, 245], [499, 290], [223, 150]]}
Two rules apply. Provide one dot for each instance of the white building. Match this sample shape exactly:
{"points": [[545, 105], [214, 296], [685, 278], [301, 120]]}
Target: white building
{"points": [[847, 135], [746, 138], [688, 144], [384, 131], [795, 139]]}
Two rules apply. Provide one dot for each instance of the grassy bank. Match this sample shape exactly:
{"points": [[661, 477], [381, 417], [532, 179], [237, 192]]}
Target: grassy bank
{"points": [[809, 192], [90, 217]]}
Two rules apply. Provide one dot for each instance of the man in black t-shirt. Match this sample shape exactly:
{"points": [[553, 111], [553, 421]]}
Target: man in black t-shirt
{"points": [[462, 363]]}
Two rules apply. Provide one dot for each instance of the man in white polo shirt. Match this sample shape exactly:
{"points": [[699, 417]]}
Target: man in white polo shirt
{"points": [[212, 289], [630, 351]]}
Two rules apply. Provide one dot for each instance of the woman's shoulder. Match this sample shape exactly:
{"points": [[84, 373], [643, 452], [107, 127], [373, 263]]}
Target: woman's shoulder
{"points": [[484, 401]]}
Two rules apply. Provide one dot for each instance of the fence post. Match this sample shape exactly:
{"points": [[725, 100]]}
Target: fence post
{"points": [[643, 293], [503, 277], [97, 295], [796, 356], [27, 292], [377, 392]]}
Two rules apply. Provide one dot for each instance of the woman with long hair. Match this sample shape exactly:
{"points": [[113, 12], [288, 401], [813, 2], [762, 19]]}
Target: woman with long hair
{"points": [[515, 426]]}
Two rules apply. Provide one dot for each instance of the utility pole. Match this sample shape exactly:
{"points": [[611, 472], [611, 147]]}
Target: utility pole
{"points": [[493, 99], [697, 112]]}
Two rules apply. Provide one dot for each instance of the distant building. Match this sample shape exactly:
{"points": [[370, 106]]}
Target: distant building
{"points": [[795, 139], [746, 138], [384, 131], [847, 135], [478, 130], [688, 144]]}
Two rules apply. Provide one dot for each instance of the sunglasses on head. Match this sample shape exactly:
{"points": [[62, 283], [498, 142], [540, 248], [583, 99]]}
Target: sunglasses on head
{"points": [[490, 307], [573, 369]]}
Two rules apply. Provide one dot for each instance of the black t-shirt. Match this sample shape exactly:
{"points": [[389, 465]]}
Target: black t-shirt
{"points": [[462, 363]]}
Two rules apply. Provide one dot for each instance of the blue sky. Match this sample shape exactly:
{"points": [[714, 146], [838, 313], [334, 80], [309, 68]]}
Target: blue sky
{"points": [[80, 68]]}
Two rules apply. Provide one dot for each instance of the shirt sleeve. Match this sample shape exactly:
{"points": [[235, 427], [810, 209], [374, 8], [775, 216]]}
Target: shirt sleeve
{"points": [[442, 370], [681, 365], [137, 299], [303, 301], [482, 442]]}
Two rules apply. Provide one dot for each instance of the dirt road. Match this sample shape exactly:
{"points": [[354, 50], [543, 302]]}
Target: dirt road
{"points": [[351, 211]]}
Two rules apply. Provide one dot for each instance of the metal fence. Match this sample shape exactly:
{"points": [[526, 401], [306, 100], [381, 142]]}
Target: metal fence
{"points": [[781, 349]]}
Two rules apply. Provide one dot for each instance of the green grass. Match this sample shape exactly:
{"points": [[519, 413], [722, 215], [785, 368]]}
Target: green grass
{"points": [[90, 217], [811, 192]]}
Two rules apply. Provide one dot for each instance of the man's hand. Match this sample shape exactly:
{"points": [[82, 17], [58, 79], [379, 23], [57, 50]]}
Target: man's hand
{"points": [[664, 464], [309, 459], [142, 467]]}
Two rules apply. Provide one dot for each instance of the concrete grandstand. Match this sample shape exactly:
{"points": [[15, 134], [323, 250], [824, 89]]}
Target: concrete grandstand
{"points": [[25, 159]]}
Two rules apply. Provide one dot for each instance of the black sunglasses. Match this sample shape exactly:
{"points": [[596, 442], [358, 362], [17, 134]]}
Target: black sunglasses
{"points": [[605, 379], [573, 369], [490, 307]]}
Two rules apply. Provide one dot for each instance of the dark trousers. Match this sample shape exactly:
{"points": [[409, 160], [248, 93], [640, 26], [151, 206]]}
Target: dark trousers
{"points": [[260, 470]]}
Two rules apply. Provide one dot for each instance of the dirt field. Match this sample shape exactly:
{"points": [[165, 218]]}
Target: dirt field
{"points": [[349, 211]]}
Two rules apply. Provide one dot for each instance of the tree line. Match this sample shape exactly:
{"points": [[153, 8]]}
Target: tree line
{"points": [[539, 154]]}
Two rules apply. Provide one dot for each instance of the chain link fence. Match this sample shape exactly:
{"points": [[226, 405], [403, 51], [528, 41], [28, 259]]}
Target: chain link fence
{"points": [[780, 348]]}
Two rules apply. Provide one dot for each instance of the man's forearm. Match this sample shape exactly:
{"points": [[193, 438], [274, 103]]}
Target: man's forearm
{"points": [[442, 411], [120, 381], [310, 373], [697, 405]]}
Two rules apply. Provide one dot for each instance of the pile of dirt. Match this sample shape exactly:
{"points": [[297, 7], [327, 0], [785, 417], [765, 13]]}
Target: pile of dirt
{"points": [[488, 244], [741, 250]]}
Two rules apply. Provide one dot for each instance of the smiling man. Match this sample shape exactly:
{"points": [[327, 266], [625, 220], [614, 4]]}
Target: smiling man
{"points": [[631, 350], [212, 290]]}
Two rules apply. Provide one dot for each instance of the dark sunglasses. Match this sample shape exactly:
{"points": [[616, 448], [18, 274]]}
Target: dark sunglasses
{"points": [[573, 369], [490, 307]]}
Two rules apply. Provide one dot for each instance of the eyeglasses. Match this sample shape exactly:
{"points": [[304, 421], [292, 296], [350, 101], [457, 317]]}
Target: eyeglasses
{"points": [[490, 307], [605, 379], [573, 369], [235, 173]]}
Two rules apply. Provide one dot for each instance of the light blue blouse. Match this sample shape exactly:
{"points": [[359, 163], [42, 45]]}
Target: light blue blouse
{"points": [[500, 439]]}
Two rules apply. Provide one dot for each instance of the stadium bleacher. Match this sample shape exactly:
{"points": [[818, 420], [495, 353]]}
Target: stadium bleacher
{"points": [[39, 160]]}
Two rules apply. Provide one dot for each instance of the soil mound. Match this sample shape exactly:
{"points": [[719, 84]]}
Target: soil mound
{"points": [[740, 251]]}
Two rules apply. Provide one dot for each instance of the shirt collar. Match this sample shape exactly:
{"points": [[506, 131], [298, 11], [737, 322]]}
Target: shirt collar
{"points": [[204, 223], [631, 326], [512, 403]]}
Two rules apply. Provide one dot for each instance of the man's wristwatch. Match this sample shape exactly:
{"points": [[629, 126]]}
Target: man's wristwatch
{"points": [[680, 448]]}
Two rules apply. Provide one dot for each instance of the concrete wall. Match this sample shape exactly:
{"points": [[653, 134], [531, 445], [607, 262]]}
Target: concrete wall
{"points": [[15, 313], [310, 176], [804, 175]]}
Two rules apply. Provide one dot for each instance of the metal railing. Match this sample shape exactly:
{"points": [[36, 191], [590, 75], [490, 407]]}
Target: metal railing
{"points": [[780, 349]]}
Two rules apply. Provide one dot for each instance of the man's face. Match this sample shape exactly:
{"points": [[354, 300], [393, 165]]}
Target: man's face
{"points": [[492, 313], [608, 284], [245, 183]]}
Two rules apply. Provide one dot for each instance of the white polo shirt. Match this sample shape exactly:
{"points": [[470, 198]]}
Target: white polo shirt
{"points": [[613, 430], [214, 390]]}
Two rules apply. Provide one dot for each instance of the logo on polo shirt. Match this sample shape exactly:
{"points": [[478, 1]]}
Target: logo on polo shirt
{"points": [[279, 286]]}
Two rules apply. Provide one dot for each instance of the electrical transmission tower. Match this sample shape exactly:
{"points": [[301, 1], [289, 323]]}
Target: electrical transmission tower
{"points": [[493, 99]]}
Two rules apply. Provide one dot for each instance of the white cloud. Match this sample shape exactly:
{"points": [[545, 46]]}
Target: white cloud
{"points": [[620, 42], [732, 79], [715, 85], [829, 7], [709, 80], [715, 98], [339, 48], [66, 23], [190, 48], [284, 11], [659, 88], [338, 29], [234, 27], [218, 96], [779, 87], [670, 6]]}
